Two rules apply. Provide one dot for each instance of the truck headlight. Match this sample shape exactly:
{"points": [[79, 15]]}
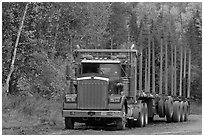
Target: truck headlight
{"points": [[115, 99], [70, 98]]}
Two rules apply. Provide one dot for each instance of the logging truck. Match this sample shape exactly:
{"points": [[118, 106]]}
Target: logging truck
{"points": [[119, 87]]}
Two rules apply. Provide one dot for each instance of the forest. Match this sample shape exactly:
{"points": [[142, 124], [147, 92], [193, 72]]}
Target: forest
{"points": [[38, 40]]}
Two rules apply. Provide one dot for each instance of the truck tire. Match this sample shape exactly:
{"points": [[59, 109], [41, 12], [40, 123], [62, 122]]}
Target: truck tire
{"points": [[69, 123], [176, 111], [130, 123], [168, 105], [145, 114], [186, 110], [182, 111], [140, 120], [151, 119], [121, 123], [161, 108]]}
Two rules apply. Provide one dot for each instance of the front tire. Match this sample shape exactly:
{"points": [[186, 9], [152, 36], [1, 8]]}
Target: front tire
{"points": [[121, 123], [145, 114], [69, 123], [140, 120]]}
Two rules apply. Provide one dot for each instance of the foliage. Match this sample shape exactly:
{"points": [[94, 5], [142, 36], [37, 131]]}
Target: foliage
{"points": [[52, 31], [46, 44]]}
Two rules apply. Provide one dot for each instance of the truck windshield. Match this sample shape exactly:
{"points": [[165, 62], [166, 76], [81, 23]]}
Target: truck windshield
{"points": [[111, 70]]}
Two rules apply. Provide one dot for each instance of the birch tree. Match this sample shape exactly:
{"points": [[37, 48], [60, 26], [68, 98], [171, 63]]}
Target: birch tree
{"points": [[15, 49]]}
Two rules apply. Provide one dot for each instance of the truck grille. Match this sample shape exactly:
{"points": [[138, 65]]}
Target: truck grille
{"points": [[92, 94]]}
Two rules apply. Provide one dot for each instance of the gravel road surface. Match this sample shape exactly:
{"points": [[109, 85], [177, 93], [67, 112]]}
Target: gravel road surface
{"points": [[158, 127]]}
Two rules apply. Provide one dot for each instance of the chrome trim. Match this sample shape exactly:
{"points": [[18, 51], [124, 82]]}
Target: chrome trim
{"points": [[83, 78], [100, 61], [102, 78], [98, 78]]}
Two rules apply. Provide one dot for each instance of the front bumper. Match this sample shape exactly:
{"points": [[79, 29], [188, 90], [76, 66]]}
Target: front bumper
{"points": [[91, 113]]}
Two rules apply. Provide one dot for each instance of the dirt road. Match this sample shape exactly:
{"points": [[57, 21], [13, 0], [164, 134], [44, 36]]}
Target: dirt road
{"points": [[159, 126]]}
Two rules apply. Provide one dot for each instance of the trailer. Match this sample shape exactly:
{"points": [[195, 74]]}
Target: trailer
{"points": [[127, 87]]}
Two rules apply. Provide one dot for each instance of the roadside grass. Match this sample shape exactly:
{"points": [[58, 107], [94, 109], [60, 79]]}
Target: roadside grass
{"points": [[196, 107], [29, 111], [34, 112]]}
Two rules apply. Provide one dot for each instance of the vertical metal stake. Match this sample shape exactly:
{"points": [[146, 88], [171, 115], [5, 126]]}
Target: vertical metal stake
{"points": [[181, 71], [140, 71], [161, 64], [153, 68], [189, 75], [166, 73]]}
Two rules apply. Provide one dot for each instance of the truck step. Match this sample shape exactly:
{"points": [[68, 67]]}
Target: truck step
{"points": [[132, 118]]}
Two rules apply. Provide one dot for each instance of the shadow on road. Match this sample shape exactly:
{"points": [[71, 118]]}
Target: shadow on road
{"points": [[112, 127]]}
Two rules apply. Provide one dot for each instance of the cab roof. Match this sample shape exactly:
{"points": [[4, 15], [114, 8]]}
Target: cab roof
{"points": [[101, 61]]}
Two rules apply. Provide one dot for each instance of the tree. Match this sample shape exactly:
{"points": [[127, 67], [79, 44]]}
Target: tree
{"points": [[15, 50]]}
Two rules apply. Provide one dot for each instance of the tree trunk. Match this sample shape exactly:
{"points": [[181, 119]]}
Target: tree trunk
{"points": [[56, 33], [15, 50]]}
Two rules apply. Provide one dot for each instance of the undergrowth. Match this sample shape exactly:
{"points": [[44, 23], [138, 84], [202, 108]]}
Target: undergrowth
{"points": [[30, 110]]}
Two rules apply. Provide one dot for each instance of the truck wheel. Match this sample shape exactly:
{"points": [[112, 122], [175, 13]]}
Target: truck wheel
{"points": [[121, 123], [130, 123], [69, 123], [176, 111], [145, 114], [140, 120], [161, 108], [182, 111], [186, 110], [151, 119], [168, 105]]}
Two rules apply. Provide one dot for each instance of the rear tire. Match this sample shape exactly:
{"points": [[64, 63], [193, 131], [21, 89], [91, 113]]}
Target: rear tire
{"points": [[182, 111], [169, 109], [69, 123], [161, 108], [130, 123], [176, 111], [151, 119]]}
